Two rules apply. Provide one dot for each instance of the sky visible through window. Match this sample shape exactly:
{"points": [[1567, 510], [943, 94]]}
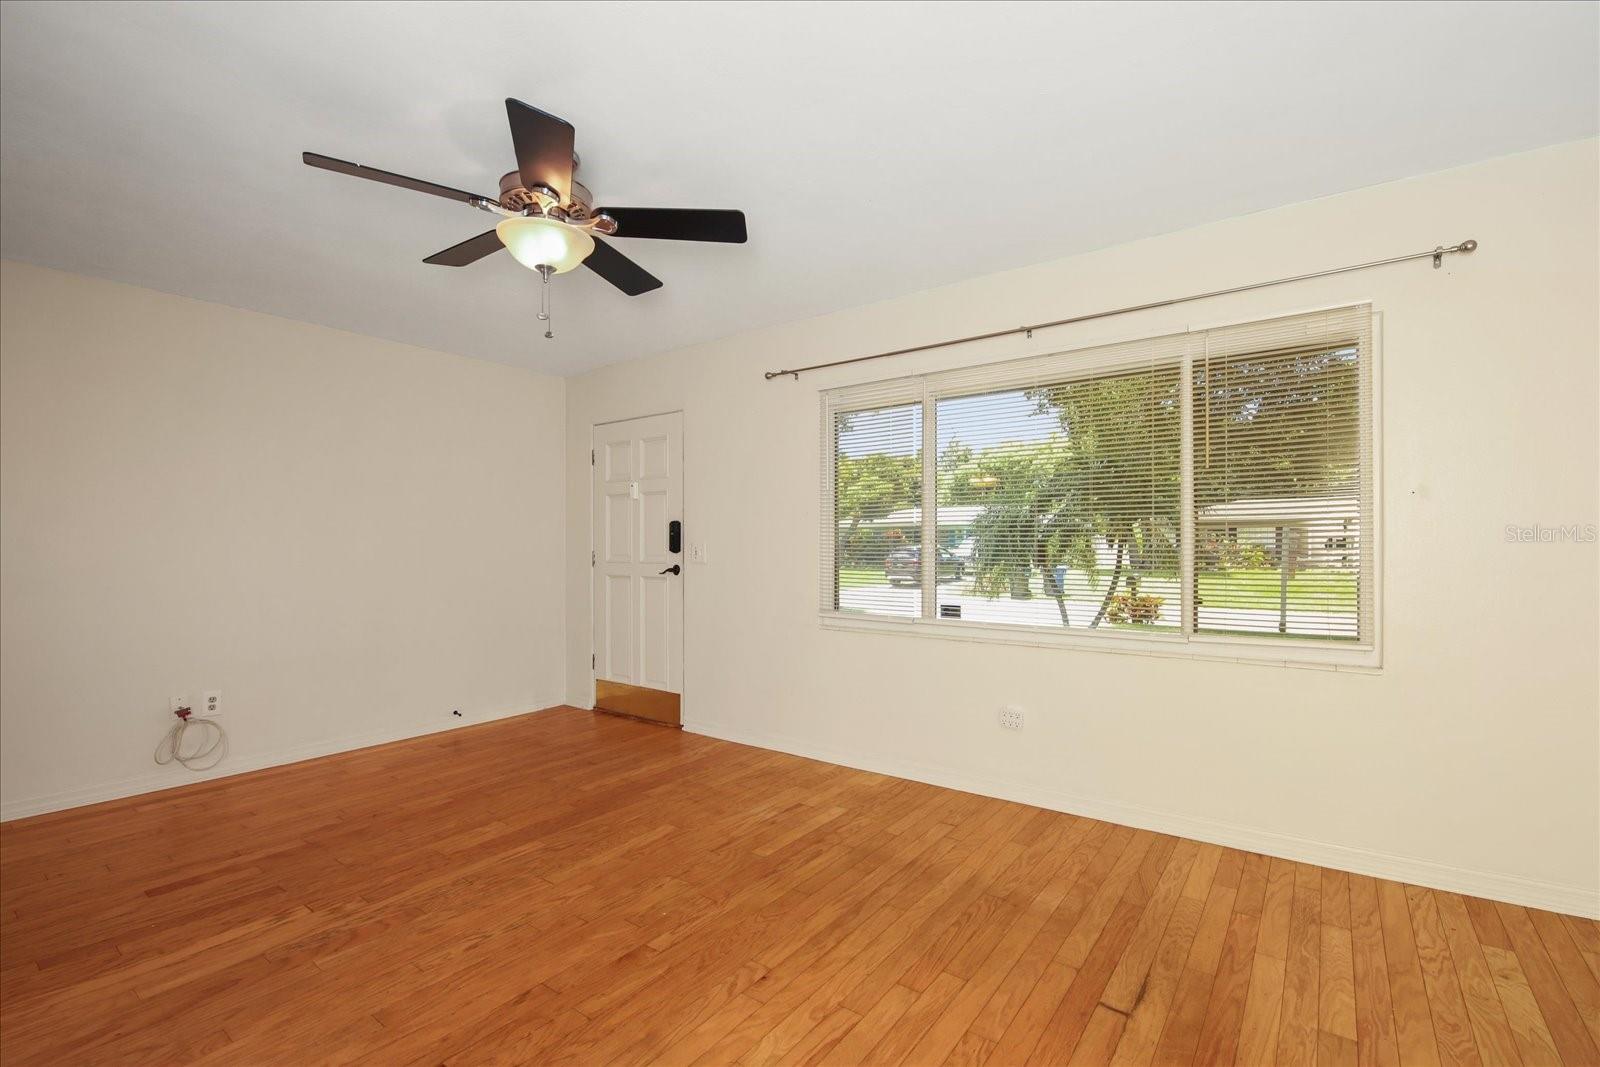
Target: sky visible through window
{"points": [[990, 419], [979, 422]]}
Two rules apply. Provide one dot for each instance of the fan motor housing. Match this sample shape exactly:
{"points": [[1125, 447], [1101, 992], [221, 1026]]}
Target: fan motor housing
{"points": [[514, 196]]}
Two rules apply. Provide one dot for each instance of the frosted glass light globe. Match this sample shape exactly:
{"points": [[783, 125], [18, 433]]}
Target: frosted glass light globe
{"points": [[536, 242]]}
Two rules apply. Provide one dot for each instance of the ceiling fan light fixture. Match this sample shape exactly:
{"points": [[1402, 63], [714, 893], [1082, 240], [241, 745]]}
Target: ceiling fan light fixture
{"points": [[538, 242]]}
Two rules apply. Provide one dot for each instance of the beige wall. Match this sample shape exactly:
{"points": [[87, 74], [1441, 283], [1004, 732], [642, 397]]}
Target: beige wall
{"points": [[1468, 761], [348, 537]]}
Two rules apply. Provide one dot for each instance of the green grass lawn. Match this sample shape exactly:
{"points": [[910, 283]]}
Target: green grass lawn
{"points": [[851, 577], [1329, 592]]}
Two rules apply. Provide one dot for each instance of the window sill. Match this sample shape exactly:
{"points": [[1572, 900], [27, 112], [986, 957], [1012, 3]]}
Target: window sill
{"points": [[1305, 655]]}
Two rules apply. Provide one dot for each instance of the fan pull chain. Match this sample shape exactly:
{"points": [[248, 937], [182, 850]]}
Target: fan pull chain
{"points": [[544, 302]]}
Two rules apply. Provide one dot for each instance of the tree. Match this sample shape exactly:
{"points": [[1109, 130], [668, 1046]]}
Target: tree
{"points": [[1120, 483], [1277, 408], [1110, 477], [869, 487], [872, 486], [1027, 520]]}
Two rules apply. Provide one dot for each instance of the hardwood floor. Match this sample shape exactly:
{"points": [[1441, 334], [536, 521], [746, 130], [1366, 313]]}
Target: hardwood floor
{"points": [[568, 888]]}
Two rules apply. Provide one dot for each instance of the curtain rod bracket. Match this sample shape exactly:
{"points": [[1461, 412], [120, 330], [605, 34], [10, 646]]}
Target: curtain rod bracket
{"points": [[1437, 254]]}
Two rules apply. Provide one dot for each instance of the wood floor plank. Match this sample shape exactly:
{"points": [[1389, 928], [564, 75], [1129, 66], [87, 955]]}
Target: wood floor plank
{"points": [[1154, 888], [1129, 979], [1375, 1036], [1489, 1025], [1580, 983], [565, 888], [1276, 908], [1486, 923], [1586, 932], [1263, 1008], [1066, 1024], [1555, 1001], [1181, 1032], [946, 1035], [1020, 983], [1413, 1018], [1297, 1037], [821, 1039], [1152, 1004], [896, 1045], [1101, 1037], [1528, 1028], [1026, 1026], [864, 1036], [1230, 986], [1452, 1028], [1336, 1001]]}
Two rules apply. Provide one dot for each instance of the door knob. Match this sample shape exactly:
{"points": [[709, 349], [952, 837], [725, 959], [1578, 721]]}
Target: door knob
{"points": [[674, 569]]}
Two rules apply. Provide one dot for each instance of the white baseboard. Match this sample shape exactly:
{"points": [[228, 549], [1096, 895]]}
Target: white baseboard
{"points": [[1493, 885], [173, 776]]}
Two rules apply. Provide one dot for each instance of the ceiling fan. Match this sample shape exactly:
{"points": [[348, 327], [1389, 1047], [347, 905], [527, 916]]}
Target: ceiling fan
{"points": [[550, 223]]}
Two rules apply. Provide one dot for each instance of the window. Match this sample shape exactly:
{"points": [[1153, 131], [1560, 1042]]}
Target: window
{"points": [[877, 510], [1209, 489]]}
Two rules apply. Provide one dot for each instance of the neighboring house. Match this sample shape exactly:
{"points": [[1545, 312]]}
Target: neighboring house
{"points": [[1314, 531], [1321, 531], [955, 523], [872, 538]]}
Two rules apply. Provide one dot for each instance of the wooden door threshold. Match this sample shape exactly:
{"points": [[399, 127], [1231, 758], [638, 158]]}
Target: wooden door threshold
{"points": [[638, 718], [638, 702]]}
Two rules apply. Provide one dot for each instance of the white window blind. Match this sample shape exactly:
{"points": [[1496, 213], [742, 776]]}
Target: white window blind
{"points": [[1058, 495], [872, 519], [1282, 483], [1205, 487]]}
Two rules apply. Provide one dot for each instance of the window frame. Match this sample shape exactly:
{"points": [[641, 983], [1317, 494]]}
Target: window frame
{"points": [[1182, 350]]}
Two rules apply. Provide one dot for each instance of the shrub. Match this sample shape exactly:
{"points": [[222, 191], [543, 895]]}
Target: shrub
{"points": [[1215, 553], [1135, 608]]}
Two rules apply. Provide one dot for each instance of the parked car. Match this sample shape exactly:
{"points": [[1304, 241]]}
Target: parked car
{"points": [[904, 566], [964, 553]]}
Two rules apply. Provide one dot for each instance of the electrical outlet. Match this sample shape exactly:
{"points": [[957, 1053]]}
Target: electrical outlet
{"points": [[1011, 717], [211, 703]]}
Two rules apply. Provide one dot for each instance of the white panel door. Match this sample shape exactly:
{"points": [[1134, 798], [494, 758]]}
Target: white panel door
{"points": [[638, 601]]}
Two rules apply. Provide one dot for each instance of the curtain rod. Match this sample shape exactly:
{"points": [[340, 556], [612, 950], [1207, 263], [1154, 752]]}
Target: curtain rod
{"points": [[1436, 254]]}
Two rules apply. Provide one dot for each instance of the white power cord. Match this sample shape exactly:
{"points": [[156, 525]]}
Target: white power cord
{"points": [[213, 747]]}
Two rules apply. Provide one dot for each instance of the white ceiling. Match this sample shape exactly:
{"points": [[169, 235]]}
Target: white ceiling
{"points": [[877, 149]]}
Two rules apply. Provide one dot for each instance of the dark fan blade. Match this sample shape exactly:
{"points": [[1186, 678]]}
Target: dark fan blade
{"points": [[469, 251], [619, 270], [373, 174], [544, 148], [678, 224]]}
